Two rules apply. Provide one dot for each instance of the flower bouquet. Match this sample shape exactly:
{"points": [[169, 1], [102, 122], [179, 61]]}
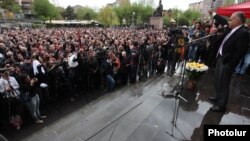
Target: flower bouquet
{"points": [[194, 73], [195, 70]]}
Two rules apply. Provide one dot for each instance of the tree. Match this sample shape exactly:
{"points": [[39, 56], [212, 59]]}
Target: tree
{"points": [[86, 13], [146, 13], [184, 17], [7, 4], [44, 9], [108, 17], [166, 21], [16, 8], [60, 11], [11, 6], [191, 15], [124, 12], [69, 14], [142, 13], [183, 21]]}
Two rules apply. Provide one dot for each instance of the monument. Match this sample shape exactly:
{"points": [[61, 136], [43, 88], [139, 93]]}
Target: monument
{"points": [[157, 20]]}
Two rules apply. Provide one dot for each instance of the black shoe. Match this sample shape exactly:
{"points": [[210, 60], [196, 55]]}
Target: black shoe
{"points": [[217, 108], [211, 98]]}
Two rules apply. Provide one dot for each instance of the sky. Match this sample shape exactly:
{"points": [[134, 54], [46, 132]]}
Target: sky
{"points": [[97, 4]]}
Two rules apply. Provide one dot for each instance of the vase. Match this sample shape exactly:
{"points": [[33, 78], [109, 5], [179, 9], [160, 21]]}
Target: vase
{"points": [[191, 84]]}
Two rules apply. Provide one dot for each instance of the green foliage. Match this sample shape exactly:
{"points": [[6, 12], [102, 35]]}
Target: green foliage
{"points": [[69, 13], [44, 9], [166, 21], [185, 17], [7, 4], [37, 25], [108, 17], [59, 10], [183, 21], [11, 5], [86, 13], [123, 12], [142, 13], [16, 8], [191, 15]]}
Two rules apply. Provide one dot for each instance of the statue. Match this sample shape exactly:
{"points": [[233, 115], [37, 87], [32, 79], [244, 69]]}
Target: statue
{"points": [[158, 11]]}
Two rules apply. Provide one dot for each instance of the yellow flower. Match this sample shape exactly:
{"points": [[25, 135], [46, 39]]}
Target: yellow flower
{"points": [[196, 67]]}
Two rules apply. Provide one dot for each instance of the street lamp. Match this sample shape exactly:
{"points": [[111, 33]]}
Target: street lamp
{"points": [[124, 21], [133, 19]]}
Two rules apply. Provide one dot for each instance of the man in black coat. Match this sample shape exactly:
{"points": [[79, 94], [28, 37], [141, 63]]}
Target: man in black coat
{"points": [[233, 45]]}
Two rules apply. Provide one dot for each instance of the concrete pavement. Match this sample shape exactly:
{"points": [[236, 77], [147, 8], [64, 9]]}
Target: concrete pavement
{"points": [[139, 113]]}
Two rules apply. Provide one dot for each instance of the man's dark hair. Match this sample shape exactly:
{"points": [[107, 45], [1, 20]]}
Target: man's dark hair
{"points": [[135, 43], [241, 16]]}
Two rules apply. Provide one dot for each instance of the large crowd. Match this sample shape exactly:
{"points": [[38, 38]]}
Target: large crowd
{"points": [[48, 63]]}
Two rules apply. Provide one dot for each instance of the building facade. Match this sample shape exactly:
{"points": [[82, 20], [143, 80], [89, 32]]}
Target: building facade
{"points": [[208, 5], [26, 6], [197, 6]]}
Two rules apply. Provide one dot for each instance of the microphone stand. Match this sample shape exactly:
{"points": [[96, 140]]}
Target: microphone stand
{"points": [[177, 96], [177, 93], [196, 40]]}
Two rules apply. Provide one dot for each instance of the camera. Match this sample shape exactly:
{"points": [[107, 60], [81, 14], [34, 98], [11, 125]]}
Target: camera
{"points": [[175, 32]]}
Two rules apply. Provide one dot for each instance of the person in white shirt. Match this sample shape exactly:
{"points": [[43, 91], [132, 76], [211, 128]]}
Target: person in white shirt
{"points": [[9, 87]]}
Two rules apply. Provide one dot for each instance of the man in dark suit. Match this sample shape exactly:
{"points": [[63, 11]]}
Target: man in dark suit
{"points": [[233, 45]]}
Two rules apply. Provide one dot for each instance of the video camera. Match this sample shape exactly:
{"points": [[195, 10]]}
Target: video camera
{"points": [[177, 37], [175, 32]]}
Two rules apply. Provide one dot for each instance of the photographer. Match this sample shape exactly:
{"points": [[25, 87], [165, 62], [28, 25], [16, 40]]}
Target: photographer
{"points": [[174, 46], [30, 97]]}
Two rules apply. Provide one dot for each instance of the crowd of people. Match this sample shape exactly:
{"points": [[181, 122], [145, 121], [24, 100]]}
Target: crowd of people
{"points": [[50, 63]]}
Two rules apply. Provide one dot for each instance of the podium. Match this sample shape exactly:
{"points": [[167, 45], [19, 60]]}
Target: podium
{"points": [[157, 22]]}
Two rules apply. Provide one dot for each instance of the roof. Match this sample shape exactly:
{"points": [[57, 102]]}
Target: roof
{"points": [[71, 22], [229, 10]]}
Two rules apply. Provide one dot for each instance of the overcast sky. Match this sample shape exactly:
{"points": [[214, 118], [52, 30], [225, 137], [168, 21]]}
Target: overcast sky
{"points": [[180, 4]]}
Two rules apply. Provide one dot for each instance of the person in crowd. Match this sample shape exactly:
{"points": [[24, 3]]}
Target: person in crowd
{"points": [[9, 90], [42, 54], [134, 62], [245, 62], [196, 33], [9, 86], [31, 98], [125, 66], [107, 70], [233, 45]]}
